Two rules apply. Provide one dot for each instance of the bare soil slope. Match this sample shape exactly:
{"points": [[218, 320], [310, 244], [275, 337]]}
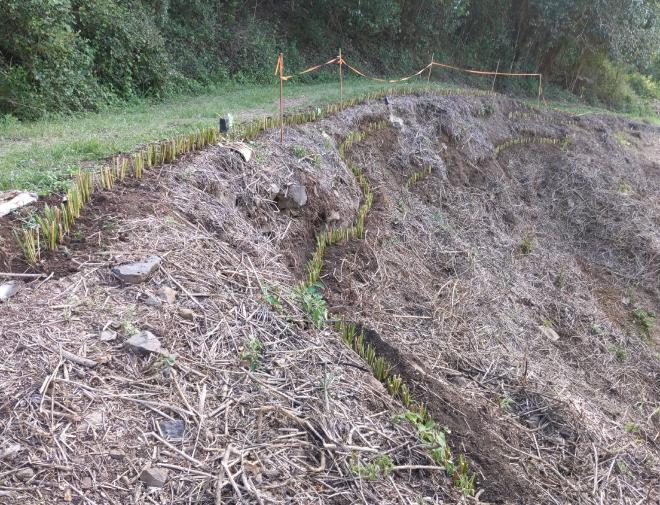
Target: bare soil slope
{"points": [[502, 287]]}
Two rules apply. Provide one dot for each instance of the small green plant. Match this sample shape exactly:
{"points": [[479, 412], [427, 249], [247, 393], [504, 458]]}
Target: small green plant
{"points": [[251, 356], [619, 352], [597, 329], [548, 323], [313, 303], [632, 428], [623, 467], [28, 241], [486, 110], [561, 280], [381, 465], [271, 296], [299, 152], [506, 403], [644, 321], [624, 187], [527, 244]]}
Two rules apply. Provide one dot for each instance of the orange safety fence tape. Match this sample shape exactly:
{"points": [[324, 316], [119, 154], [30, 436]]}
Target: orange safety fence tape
{"points": [[402, 79], [484, 72], [307, 70]]}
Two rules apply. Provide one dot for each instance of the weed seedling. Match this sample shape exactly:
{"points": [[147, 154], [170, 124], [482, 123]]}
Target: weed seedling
{"points": [[299, 152], [313, 304], [527, 245], [644, 321], [251, 356]]}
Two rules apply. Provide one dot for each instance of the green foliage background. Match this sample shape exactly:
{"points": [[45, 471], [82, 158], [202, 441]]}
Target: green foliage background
{"points": [[61, 56]]}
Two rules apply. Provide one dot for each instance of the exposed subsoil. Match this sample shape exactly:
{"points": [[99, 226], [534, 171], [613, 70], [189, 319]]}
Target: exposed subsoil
{"points": [[457, 282]]}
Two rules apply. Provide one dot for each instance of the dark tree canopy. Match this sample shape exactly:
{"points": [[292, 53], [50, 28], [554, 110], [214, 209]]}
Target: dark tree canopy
{"points": [[68, 55]]}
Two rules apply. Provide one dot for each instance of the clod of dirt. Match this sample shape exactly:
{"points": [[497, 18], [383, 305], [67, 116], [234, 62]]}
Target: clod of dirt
{"points": [[137, 272], [10, 451], [549, 333], [167, 294], [7, 290], [151, 300], [186, 314], [25, 474], [108, 335], [294, 197], [154, 477], [172, 430], [145, 342]]}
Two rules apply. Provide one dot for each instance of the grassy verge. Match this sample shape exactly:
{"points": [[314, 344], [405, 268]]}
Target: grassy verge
{"points": [[40, 156]]}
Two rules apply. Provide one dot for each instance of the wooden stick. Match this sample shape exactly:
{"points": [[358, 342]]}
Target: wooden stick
{"points": [[341, 82], [428, 78], [22, 276], [492, 88], [281, 98]]}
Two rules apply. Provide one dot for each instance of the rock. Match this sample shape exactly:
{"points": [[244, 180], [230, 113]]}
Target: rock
{"points": [[294, 197], [172, 430], [116, 454], [144, 342], [154, 477], [549, 333], [7, 290], [12, 200], [86, 483], [167, 294], [93, 419], [273, 189], [186, 314], [136, 272], [9, 451], [334, 217], [108, 335], [152, 301], [24, 474]]}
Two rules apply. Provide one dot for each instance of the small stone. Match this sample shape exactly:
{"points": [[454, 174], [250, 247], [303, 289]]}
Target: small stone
{"points": [[9, 451], [93, 419], [136, 272], [116, 454], [273, 189], [144, 342], [294, 197], [186, 314], [172, 430], [549, 333], [152, 301], [154, 477], [25, 474], [167, 294], [334, 217], [108, 335], [15, 199], [7, 290], [86, 483]]}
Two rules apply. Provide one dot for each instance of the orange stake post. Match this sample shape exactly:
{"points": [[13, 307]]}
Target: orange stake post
{"points": [[280, 68], [428, 78], [341, 81], [492, 88]]}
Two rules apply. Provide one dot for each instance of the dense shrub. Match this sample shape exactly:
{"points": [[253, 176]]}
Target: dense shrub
{"points": [[70, 55]]}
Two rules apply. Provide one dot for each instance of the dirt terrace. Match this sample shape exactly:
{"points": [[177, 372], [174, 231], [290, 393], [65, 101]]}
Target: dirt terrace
{"points": [[457, 283]]}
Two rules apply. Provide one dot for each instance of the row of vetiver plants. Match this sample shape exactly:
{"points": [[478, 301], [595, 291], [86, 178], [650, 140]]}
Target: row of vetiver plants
{"points": [[418, 176], [51, 226], [530, 140], [535, 115], [431, 435]]}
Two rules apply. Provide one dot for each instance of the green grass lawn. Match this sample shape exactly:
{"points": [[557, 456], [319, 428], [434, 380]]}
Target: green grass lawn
{"points": [[39, 156]]}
